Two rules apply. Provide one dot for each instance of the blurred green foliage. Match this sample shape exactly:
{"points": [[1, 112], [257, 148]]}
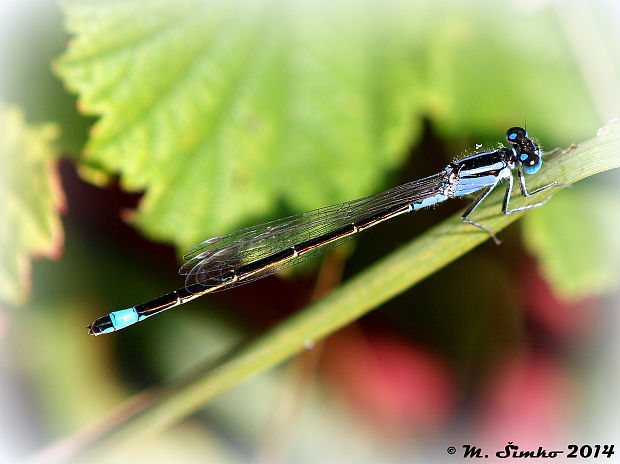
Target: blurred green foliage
{"points": [[31, 37], [577, 241], [30, 196]]}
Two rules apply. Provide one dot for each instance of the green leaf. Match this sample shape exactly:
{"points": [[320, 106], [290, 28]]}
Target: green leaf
{"points": [[392, 275], [219, 109], [30, 197]]}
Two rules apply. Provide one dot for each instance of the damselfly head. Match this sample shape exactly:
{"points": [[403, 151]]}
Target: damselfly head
{"points": [[526, 151]]}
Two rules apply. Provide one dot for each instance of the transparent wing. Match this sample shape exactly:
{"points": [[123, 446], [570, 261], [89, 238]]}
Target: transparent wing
{"points": [[216, 257]]}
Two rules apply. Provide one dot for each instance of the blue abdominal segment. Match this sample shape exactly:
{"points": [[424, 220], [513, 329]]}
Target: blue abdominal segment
{"points": [[123, 318]]}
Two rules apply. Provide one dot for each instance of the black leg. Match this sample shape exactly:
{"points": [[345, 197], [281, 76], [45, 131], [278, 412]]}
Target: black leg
{"points": [[473, 206], [553, 152], [526, 194], [523, 187], [560, 151]]}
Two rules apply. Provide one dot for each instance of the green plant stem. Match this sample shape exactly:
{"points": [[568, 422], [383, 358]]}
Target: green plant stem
{"points": [[387, 278]]}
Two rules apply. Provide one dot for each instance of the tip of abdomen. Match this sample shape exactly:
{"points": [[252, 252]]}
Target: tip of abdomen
{"points": [[114, 321]]}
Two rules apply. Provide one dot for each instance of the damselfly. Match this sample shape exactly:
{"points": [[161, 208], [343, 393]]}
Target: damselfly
{"points": [[255, 252]]}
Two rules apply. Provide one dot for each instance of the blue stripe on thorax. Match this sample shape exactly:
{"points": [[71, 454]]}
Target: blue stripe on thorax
{"points": [[430, 201], [469, 185], [498, 166]]}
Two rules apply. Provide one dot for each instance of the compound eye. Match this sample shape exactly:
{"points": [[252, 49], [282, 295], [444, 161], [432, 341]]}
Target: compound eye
{"points": [[531, 163], [515, 134]]}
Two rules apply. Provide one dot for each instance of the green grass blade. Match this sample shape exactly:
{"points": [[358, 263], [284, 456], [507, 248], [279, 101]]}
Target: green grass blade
{"points": [[390, 276]]}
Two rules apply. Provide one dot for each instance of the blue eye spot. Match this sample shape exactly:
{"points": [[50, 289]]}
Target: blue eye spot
{"points": [[533, 166], [512, 136], [523, 156]]}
